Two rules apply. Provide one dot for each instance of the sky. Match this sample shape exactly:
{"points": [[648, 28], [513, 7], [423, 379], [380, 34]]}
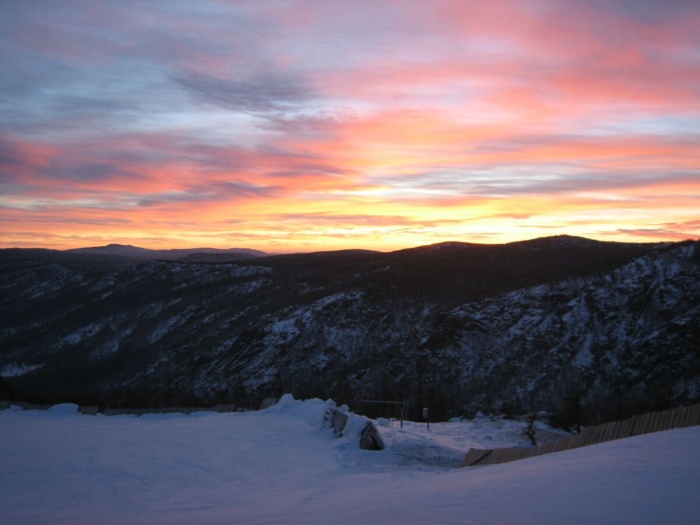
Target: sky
{"points": [[304, 125]]}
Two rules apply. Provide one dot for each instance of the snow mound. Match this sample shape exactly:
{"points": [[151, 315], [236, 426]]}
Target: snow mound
{"points": [[64, 408], [325, 416], [284, 465]]}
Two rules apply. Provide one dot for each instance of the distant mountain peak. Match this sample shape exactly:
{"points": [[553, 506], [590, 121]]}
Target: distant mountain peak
{"points": [[146, 253]]}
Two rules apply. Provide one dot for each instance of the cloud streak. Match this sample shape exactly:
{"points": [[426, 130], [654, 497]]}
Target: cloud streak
{"points": [[312, 125], [265, 93]]}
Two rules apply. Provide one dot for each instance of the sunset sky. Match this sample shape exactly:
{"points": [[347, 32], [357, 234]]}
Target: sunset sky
{"points": [[307, 125]]}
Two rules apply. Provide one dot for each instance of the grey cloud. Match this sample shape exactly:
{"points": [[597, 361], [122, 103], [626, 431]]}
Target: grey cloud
{"points": [[170, 197], [649, 11], [242, 189], [64, 169], [400, 221], [514, 178], [87, 221], [319, 122], [216, 191], [310, 169], [18, 163], [268, 92], [10, 155], [676, 230]]}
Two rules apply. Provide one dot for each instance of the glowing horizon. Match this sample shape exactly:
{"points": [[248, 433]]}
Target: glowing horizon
{"points": [[294, 126]]}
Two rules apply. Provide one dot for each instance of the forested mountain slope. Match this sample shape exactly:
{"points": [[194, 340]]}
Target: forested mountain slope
{"points": [[584, 329]]}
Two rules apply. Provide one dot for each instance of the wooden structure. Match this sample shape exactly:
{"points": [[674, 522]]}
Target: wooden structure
{"points": [[643, 424]]}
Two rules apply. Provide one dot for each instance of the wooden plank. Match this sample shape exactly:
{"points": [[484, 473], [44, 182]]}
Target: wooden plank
{"points": [[608, 432], [636, 425], [585, 436], [532, 452], [475, 455], [615, 432], [495, 457], [667, 421], [656, 422], [648, 422], [601, 433], [695, 415], [589, 435], [578, 440], [680, 417], [598, 434], [509, 454], [672, 419], [563, 444], [690, 418], [626, 429], [546, 449], [643, 424], [684, 418]]}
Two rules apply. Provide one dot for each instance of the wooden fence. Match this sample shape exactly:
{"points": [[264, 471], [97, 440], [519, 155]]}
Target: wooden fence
{"points": [[634, 426]]}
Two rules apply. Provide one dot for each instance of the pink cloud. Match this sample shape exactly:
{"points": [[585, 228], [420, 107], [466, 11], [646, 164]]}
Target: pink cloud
{"points": [[361, 120]]}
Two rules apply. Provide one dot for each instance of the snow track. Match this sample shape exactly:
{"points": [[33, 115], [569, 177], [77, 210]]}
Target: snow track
{"points": [[283, 466]]}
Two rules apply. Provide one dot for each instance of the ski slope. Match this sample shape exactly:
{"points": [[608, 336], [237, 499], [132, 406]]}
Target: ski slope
{"points": [[284, 466]]}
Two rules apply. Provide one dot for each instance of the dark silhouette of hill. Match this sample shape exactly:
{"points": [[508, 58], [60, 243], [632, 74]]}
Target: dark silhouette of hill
{"points": [[553, 323], [135, 252], [453, 272]]}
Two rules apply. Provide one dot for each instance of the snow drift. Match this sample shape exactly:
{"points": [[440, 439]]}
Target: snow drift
{"points": [[285, 465]]}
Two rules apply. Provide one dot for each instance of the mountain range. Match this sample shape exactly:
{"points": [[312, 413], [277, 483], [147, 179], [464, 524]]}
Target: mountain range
{"points": [[581, 329]]}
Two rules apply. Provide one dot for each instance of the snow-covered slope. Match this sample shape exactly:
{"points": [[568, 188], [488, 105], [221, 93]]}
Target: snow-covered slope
{"points": [[583, 329], [284, 465], [601, 344]]}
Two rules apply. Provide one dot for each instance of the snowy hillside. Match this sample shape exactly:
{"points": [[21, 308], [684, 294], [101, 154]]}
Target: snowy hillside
{"points": [[284, 465], [589, 331]]}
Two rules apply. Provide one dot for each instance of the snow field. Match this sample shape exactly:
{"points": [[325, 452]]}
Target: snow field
{"points": [[283, 466]]}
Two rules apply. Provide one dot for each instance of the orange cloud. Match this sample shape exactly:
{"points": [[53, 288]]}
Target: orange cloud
{"points": [[359, 124]]}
